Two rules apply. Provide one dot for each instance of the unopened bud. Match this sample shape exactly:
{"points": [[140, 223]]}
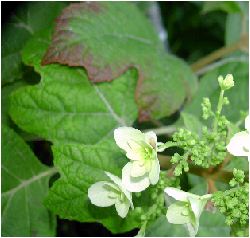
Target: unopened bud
{"points": [[227, 83]]}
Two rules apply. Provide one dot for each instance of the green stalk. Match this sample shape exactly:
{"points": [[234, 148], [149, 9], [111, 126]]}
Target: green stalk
{"points": [[219, 108]]}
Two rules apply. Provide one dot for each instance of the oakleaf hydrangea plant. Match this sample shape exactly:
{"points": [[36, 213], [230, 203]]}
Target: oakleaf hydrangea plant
{"points": [[207, 151]]}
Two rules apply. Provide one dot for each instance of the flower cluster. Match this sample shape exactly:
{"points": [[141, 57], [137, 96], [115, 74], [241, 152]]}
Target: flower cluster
{"points": [[233, 203], [209, 148], [143, 169]]}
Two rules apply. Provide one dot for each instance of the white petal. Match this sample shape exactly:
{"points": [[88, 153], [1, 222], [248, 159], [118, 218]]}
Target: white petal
{"points": [[138, 169], [178, 213], [247, 123], [124, 135], [154, 173], [151, 138], [197, 205], [100, 196], [118, 182], [133, 184], [134, 155], [122, 208], [176, 193], [239, 144]]}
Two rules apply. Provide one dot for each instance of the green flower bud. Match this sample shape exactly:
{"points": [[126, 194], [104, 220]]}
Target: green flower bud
{"points": [[227, 83]]}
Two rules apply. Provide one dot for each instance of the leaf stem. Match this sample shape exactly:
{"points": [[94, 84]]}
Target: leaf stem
{"points": [[241, 44]]}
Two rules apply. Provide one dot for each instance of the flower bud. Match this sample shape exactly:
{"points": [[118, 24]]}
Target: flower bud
{"points": [[226, 83]]}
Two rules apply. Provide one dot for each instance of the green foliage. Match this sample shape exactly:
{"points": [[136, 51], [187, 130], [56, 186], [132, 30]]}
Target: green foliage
{"points": [[65, 107], [83, 42], [161, 227], [24, 186], [192, 123], [77, 113], [228, 6], [68, 196], [209, 87], [211, 224], [26, 21], [237, 24]]}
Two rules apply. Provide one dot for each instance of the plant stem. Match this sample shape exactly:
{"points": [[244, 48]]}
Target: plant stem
{"points": [[242, 44], [219, 108]]}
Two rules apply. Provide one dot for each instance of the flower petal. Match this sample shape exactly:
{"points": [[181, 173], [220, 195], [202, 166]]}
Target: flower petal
{"points": [[118, 182], [239, 144], [176, 193], [133, 184], [197, 205], [138, 169], [100, 196], [122, 208], [154, 173], [124, 135], [151, 139], [114, 178], [178, 213]]}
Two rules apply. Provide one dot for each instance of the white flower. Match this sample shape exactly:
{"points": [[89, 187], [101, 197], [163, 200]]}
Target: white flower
{"points": [[105, 194], [187, 209], [141, 149], [239, 143]]}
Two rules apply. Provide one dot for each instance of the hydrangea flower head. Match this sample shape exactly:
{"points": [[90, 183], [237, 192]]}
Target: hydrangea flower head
{"points": [[141, 148]]}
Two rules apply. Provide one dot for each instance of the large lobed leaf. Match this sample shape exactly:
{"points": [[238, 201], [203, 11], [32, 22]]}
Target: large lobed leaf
{"points": [[65, 107], [107, 38], [24, 186]]}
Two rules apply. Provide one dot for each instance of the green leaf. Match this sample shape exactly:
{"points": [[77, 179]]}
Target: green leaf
{"points": [[209, 87], [25, 184], [6, 91], [213, 224], [236, 24], [192, 123], [65, 107], [161, 227], [227, 6], [26, 21], [81, 166], [107, 38], [238, 163], [199, 184]]}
